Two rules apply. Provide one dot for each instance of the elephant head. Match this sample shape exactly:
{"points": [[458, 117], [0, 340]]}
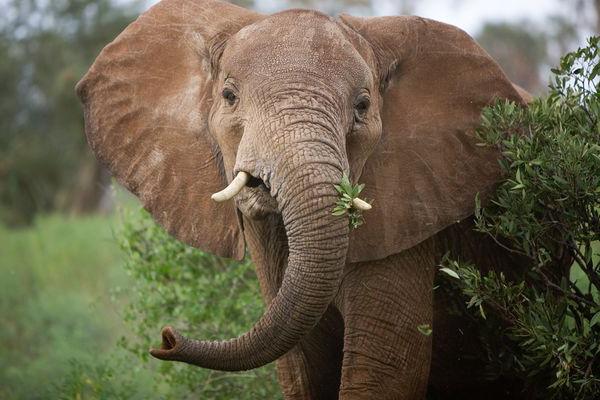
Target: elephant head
{"points": [[195, 95]]}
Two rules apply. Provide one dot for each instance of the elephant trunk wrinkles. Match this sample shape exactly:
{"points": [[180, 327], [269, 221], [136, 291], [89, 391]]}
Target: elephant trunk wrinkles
{"points": [[317, 251]]}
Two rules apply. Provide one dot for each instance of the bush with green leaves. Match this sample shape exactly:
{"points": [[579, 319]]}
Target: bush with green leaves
{"points": [[547, 329], [202, 296]]}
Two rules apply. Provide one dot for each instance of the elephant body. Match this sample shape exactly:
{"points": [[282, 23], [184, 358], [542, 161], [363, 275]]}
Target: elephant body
{"points": [[368, 336], [196, 95]]}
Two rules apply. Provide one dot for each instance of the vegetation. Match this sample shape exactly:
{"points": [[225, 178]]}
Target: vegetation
{"points": [[348, 192], [202, 296], [58, 314], [77, 325], [546, 329], [45, 48]]}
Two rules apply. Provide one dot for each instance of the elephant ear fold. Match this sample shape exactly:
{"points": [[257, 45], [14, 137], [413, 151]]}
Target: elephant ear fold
{"points": [[146, 102], [427, 169]]}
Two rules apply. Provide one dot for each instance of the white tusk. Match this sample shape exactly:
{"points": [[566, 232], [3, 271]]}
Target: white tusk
{"points": [[361, 204], [236, 185]]}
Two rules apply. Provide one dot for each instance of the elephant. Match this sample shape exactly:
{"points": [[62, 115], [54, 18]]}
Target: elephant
{"points": [[200, 95]]}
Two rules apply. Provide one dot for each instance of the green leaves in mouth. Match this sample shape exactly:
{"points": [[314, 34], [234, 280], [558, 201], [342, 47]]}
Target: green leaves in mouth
{"points": [[349, 202]]}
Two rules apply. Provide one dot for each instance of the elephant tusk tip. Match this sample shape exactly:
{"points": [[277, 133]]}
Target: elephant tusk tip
{"points": [[217, 197], [236, 185], [361, 204]]}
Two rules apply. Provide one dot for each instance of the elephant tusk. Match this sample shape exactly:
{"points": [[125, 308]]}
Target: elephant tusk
{"points": [[236, 185], [361, 204]]}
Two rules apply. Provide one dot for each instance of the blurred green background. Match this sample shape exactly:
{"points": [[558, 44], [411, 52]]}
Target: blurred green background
{"points": [[87, 279]]}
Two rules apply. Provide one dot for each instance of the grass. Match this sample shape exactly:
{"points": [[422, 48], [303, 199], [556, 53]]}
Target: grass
{"points": [[58, 311], [64, 291]]}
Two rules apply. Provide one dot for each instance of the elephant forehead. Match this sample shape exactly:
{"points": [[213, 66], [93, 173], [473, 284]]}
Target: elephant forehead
{"points": [[295, 41]]}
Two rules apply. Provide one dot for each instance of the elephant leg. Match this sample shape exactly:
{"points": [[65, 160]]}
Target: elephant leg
{"points": [[312, 369], [386, 355]]}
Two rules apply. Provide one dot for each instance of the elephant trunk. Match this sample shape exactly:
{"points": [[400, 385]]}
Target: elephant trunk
{"points": [[318, 244]]}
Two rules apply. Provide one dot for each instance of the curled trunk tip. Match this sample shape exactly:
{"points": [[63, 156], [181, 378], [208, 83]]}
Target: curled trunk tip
{"points": [[171, 344]]}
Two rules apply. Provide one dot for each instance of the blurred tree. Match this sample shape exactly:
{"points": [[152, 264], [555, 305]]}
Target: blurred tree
{"points": [[587, 12], [521, 51], [45, 47], [597, 8], [525, 49], [567, 30]]}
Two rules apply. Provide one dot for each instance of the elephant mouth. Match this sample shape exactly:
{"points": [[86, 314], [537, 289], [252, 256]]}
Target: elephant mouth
{"points": [[257, 182], [255, 200]]}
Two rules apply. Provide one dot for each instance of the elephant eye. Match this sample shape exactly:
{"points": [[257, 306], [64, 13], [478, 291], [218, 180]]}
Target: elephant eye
{"points": [[229, 96], [361, 107]]}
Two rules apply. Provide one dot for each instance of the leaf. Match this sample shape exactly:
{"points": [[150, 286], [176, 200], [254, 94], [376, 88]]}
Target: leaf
{"points": [[596, 318], [450, 272], [344, 205], [425, 329], [595, 71], [559, 179]]}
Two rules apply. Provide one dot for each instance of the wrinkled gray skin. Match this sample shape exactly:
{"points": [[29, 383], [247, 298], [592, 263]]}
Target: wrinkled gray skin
{"points": [[296, 101], [294, 121]]}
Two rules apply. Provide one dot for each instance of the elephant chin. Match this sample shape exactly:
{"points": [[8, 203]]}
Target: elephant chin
{"points": [[256, 202]]}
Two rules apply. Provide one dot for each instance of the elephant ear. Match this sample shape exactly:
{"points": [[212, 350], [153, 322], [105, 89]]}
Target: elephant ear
{"points": [[146, 103], [427, 169]]}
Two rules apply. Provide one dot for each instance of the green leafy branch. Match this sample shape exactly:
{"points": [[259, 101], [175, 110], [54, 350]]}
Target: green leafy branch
{"points": [[345, 205]]}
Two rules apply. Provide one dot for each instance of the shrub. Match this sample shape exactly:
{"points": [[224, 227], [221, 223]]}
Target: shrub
{"points": [[548, 209], [202, 296]]}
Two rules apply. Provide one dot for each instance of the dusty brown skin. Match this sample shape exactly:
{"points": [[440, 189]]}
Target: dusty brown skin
{"points": [[195, 91]]}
